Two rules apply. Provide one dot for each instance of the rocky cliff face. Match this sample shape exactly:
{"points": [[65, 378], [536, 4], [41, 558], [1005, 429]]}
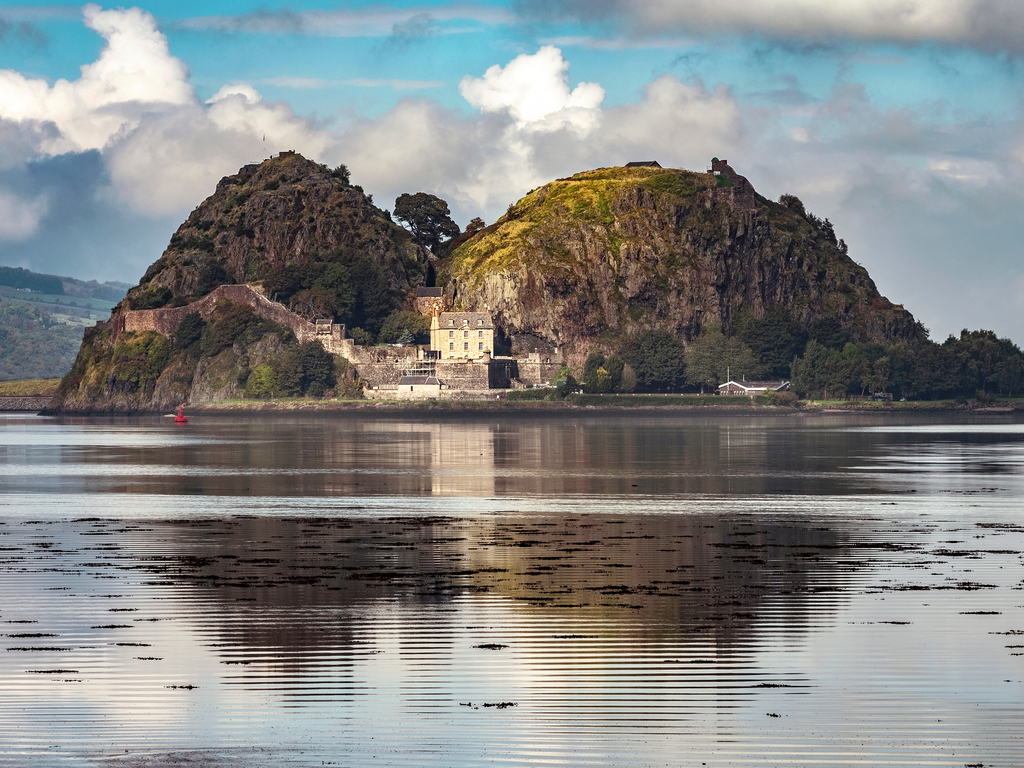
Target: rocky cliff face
{"points": [[294, 228], [598, 257], [588, 261], [267, 217]]}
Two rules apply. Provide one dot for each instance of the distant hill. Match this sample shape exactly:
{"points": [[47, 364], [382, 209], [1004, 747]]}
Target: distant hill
{"points": [[42, 318], [26, 280], [34, 345]]}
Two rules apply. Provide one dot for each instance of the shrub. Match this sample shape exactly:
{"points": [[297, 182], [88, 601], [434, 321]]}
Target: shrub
{"points": [[787, 399], [361, 337], [139, 358], [262, 383], [153, 297], [190, 330], [416, 324]]}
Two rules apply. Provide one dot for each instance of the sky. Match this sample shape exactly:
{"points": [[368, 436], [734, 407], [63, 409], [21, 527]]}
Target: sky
{"points": [[901, 121]]}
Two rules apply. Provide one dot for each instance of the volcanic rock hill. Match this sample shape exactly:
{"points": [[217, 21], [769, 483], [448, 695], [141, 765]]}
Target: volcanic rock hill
{"points": [[587, 261], [604, 254], [267, 218], [295, 230]]}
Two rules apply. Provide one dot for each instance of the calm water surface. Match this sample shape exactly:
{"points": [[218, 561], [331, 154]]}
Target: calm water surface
{"points": [[517, 591]]}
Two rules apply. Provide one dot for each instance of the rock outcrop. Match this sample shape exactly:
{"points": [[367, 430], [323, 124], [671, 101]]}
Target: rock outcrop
{"points": [[287, 229], [598, 257], [280, 213], [583, 262]]}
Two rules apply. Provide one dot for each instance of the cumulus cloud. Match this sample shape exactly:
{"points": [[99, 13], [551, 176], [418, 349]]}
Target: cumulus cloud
{"points": [[534, 90], [164, 150], [532, 126], [171, 160], [19, 218], [986, 25], [133, 72]]}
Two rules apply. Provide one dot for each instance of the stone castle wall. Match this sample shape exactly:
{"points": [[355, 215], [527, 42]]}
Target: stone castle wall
{"points": [[538, 369], [376, 366], [166, 320]]}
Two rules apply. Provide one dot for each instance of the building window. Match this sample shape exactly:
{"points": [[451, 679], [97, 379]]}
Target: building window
{"points": [[480, 346], [465, 347], [465, 334], [479, 322], [451, 346], [451, 334], [479, 334], [451, 322]]}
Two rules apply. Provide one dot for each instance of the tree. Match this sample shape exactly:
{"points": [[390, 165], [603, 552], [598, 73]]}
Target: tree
{"points": [[373, 299], [474, 226], [590, 373], [878, 379], [712, 358], [658, 359], [190, 330], [774, 339], [428, 217], [1009, 375], [316, 367], [261, 383], [402, 322], [315, 302]]}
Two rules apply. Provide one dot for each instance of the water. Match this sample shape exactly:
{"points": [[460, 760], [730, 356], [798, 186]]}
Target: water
{"points": [[586, 590]]}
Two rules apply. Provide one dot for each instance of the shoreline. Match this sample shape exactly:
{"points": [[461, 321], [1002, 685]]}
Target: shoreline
{"points": [[607, 405]]}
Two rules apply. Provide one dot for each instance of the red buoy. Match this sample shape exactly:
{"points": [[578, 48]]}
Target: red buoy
{"points": [[181, 418]]}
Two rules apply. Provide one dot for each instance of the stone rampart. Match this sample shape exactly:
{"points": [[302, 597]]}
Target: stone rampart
{"points": [[443, 394], [538, 369], [167, 319], [376, 366]]}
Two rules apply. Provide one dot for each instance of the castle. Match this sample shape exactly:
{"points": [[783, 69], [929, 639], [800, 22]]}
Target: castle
{"points": [[458, 364]]}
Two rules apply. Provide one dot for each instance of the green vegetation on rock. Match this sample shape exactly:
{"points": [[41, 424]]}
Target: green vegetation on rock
{"points": [[604, 255]]}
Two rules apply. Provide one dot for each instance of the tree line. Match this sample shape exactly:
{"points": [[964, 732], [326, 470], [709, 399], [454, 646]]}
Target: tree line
{"points": [[23, 279], [821, 362]]}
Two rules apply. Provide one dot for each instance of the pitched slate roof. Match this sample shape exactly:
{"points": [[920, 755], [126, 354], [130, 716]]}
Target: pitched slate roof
{"points": [[465, 320]]}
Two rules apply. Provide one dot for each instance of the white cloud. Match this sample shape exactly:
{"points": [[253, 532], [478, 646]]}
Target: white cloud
{"points": [[163, 149], [246, 92], [532, 127], [534, 90], [986, 25], [19, 219], [133, 73], [170, 161]]}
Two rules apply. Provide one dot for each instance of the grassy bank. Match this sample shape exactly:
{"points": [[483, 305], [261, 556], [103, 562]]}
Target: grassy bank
{"points": [[29, 388]]}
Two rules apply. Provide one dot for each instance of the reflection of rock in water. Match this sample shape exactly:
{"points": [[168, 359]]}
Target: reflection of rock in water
{"points": [[280, 581], [478, 456]]}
